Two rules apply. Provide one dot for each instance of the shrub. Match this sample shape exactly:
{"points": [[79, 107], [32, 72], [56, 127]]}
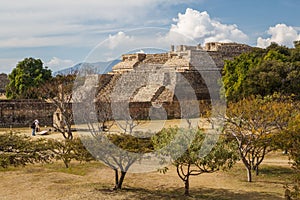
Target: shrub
{"points": [[19, 150]]}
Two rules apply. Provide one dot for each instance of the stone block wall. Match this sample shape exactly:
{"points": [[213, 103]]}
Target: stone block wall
{"points": [[3, 82], [21, 113]]}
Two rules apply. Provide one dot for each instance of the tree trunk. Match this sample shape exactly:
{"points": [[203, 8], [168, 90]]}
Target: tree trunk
{"points": [[69, 132], [187, 186], [249, 174], [256, 171], [116, 179], [121, 180], [66, 162]]}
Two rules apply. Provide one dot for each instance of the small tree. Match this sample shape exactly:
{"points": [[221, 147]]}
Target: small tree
{"points": [[253, 124], [185, 153], [58, 90], [117, 151]]}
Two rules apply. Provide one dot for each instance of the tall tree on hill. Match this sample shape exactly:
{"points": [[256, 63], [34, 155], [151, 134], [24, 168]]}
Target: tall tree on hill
{"points": [[24, 80], [263, 72]]}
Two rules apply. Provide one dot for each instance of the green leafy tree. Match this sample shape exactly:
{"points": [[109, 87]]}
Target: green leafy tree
{"points": [[25, 79], [185, 148], [235, 72], [263, 72]]}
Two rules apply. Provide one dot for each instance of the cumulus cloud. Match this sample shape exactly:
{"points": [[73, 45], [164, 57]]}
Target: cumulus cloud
{"points": [[56, 64], [201, 27], [281, 34], [118, 39]]}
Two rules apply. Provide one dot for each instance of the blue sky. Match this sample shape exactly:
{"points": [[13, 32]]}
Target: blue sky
{"points": [[63, 33]]}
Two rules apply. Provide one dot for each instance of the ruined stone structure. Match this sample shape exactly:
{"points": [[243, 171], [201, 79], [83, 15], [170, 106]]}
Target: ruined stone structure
{"points": [[158, 79], [20, 113], [180, 58]]}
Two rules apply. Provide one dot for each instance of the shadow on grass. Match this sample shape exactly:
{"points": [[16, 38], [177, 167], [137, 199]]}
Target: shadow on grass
{"points": [[203, 193], [276, 171]]}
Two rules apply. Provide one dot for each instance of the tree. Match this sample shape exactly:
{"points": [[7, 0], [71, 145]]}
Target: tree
{"points": [[24, 80], [289, 140], [117, 151], [263, 72], [58, 90], [235, 72], [184, 147], [254, 123]]}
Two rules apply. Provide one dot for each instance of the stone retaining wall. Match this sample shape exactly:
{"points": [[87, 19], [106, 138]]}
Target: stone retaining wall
{"points": [[21, 113]]}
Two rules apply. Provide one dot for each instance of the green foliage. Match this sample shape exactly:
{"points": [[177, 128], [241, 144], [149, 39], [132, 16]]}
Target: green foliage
{"points": [[194, 152], [290, 141], [263, 72], [68, 150], [118, 151], [130, 143], [185, 146], [254, 124], [20, 150], [24, 80]]}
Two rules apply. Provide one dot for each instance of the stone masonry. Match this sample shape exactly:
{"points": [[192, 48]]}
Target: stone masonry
{"points": [[20, 113], [146, 80]]}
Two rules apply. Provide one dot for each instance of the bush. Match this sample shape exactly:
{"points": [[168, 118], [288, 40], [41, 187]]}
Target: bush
{"points": [[68, 150], [19, 150]]}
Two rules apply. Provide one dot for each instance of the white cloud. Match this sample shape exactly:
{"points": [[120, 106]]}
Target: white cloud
{"points": [[118, 39], [145, 39], [85, 18], [56, 64], [281, 34], [200, 26], [39, 41]]}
